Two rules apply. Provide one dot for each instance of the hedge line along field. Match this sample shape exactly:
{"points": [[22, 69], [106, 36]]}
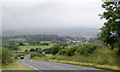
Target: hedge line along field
{"points": [[28, 47]]}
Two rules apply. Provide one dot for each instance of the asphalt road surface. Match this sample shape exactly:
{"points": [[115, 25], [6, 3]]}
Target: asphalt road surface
{"points": [[44, 66]]}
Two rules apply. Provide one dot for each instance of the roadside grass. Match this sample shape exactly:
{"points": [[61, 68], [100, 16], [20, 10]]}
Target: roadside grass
{"points": [[85, 64], [28, 47], [102, 67], [16, 66]]}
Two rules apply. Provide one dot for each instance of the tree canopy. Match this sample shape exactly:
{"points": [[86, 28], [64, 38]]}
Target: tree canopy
{"points": [[110, 32]]}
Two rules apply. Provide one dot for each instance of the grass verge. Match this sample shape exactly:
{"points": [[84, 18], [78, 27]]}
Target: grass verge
{"points": [[85, 64], [103, 67], [16, 66]]}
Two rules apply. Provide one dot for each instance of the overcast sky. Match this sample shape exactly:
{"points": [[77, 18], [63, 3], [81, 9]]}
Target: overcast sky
{"points": [[59, 13]]}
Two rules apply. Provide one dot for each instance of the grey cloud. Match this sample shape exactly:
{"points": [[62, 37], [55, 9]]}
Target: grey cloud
{"points": [[51, 14]]}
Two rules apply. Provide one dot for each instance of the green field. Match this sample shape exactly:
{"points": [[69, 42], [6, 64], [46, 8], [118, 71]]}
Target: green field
{"points": [[28, 47], [48, 55], [19, 39]]}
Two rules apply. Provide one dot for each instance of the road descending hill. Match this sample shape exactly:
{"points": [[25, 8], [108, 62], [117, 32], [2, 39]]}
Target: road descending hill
{"points": [[43, 66]]}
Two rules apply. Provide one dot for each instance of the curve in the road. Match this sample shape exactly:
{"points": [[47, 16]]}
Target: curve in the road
{"points": [[43, 65]]}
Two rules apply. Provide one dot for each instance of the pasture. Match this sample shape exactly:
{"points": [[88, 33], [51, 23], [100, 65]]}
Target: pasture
{"points": [[28, 47], [19, 39]]}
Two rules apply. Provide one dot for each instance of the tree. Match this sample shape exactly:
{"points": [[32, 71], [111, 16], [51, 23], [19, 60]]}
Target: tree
{"points": [[39, 50], [26, 51], [38, 43], [55, 49], [21, 44], [32, 50], [110, 32]]}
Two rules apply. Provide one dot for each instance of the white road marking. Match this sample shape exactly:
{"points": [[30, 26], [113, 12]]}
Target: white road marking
{"points": [[30, 66]]}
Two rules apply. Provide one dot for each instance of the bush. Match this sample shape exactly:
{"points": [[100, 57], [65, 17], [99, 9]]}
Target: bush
{"points": [[32, 50], [7, 56], [88, 49], [45, 44], [21, 44], [26, 51], [47, 51], [83, 50], [16, 57], [55, 49], [62, 52], [68, 52], [39, 50], [35, 54]]}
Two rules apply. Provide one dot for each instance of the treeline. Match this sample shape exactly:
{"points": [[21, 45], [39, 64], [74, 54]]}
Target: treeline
{"points": [[30, 38], [35, 39]]}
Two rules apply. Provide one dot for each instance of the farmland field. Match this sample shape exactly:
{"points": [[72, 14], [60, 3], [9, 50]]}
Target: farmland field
{"points": [[28, 47], [19, 39]]}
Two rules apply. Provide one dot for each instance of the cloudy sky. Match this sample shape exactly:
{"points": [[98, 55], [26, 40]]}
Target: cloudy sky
{"points": [[26, 14]]}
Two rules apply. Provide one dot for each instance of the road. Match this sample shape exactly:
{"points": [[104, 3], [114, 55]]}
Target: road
{"points": [[48, 66]]}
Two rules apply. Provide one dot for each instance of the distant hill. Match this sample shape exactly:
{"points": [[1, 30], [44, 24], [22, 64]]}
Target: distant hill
{"points": [[61, 31]]}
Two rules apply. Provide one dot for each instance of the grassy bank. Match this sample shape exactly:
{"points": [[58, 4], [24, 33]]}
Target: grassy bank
{"points": [[103, 67], [72, 61], [16, 66], [93, 56]]}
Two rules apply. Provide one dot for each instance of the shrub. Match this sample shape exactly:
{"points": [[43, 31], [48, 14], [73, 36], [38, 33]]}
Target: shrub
{"points": [[32, 50], [68, 52], [39, 50], [7, 56], [62, 52], [83, 50], [21, 44], [35, 54], [47, 51], [16, 57], [55, 49], [45, 44], [26, 51], [87, 49]]}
